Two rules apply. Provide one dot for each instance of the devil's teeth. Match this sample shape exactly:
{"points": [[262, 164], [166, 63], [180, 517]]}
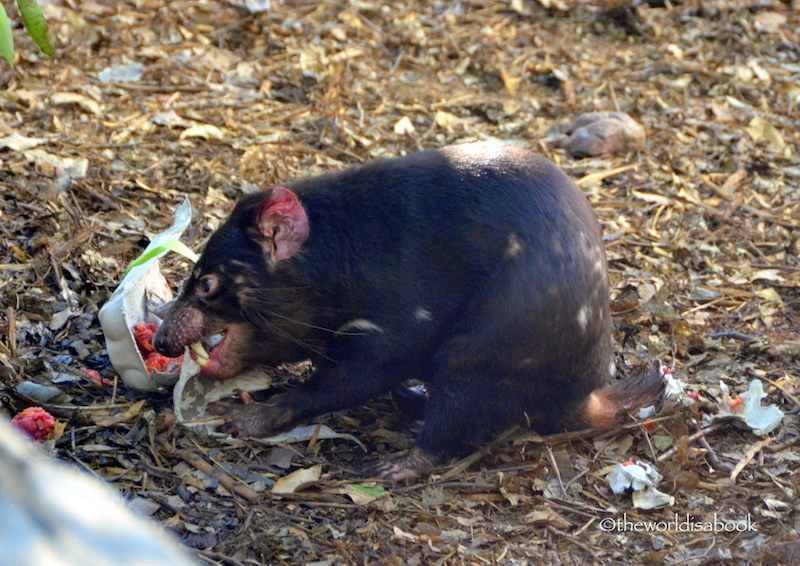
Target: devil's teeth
{"points": [[216, 339], [202, 356]]}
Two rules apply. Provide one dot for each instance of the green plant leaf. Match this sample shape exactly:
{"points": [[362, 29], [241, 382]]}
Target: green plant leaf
{"points": [[36, 24], [174, 245], [6, 37], [374, 491]]}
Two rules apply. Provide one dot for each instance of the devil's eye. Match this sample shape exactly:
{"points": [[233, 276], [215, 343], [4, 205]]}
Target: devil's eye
{"points": [[208, 285]]}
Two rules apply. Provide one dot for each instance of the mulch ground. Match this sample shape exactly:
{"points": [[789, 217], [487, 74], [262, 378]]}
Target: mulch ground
{"points": [[700, 231]]}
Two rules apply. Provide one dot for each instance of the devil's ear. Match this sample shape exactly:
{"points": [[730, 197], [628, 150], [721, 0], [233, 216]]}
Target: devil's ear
{"points": [[280, 225]]}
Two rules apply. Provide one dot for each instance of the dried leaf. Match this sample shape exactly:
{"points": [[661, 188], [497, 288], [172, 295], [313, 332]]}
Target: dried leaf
{"points": [[446, 120], [766, 275], [762, 130], [20, 143], [404, 126], [769, 22], [298, 480], [205, 131], [554, 5], [54, 165], [650, 197], [511, 83], [129, 414], [88, 104]]}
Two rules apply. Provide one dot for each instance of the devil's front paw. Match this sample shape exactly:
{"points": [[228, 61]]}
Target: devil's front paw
{"points": [[411, 465], [258, 420]]}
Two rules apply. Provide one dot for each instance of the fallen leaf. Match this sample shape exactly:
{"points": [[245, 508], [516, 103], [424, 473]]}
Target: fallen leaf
{"points": [[88, 104], [766, 275], [362, 495], [650, 197], [297, 480], [205, 131], [762, 130], [172, 119], [446, 120], [20, 143], [769, 294], [404, 126], [651, 498], [769, 22], [760, 73], [127, 415], [511, 83], [54, 165], [555, 5]]}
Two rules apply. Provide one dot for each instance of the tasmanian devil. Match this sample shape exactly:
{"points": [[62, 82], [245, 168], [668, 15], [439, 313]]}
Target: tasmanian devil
{"points": [[477, 269]]}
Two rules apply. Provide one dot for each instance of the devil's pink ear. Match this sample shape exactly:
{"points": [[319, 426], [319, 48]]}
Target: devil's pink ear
{"points": [[282, 224]]}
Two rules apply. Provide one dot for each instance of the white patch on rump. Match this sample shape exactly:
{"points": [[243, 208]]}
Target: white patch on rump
{"points": [[423, 315], [583, 317], [360, 325], [514, 249]]}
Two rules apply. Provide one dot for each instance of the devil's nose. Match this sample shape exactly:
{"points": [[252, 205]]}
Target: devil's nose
{"points": [[164, 346]]}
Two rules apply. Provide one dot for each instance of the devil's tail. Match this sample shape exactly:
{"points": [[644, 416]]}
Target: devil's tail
{"points": [[643, 389]]}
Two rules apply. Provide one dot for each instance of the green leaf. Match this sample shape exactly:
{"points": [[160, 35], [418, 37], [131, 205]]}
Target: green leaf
{"points": [[174, 245], [374, 491], [6, 37], [36, 24], [662, 442]]}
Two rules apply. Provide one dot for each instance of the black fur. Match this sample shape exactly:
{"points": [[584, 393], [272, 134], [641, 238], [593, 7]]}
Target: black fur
{"points": [[482, 265]]}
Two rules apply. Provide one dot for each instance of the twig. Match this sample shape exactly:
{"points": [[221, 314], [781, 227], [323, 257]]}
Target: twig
{"points": [[556, 470], [11, 332], [572, 539], [725, 193], [789, 396], [689, 439], [600, 175], [221, 476], [754, 450], [784, 445], [733, 335], [711, 456], [462, 465], [218, 558]]}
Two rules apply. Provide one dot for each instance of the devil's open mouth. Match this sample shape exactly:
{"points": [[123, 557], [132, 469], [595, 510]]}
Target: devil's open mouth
{"points": [[208, 349]]}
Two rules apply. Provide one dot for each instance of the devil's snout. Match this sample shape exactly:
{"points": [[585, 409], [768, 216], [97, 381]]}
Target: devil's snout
{"points": [[183, 326], [165, 345]]}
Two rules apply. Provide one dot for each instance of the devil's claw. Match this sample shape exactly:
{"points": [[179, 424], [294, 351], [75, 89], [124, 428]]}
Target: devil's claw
{"points": [[409, 466], [256, 420]]}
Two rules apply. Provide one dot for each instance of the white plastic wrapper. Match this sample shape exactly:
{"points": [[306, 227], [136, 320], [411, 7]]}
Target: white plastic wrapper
{"points": [[253, 6], [636, 476], [762, 420], [143, 289], [642, 478], [192, 395]]}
